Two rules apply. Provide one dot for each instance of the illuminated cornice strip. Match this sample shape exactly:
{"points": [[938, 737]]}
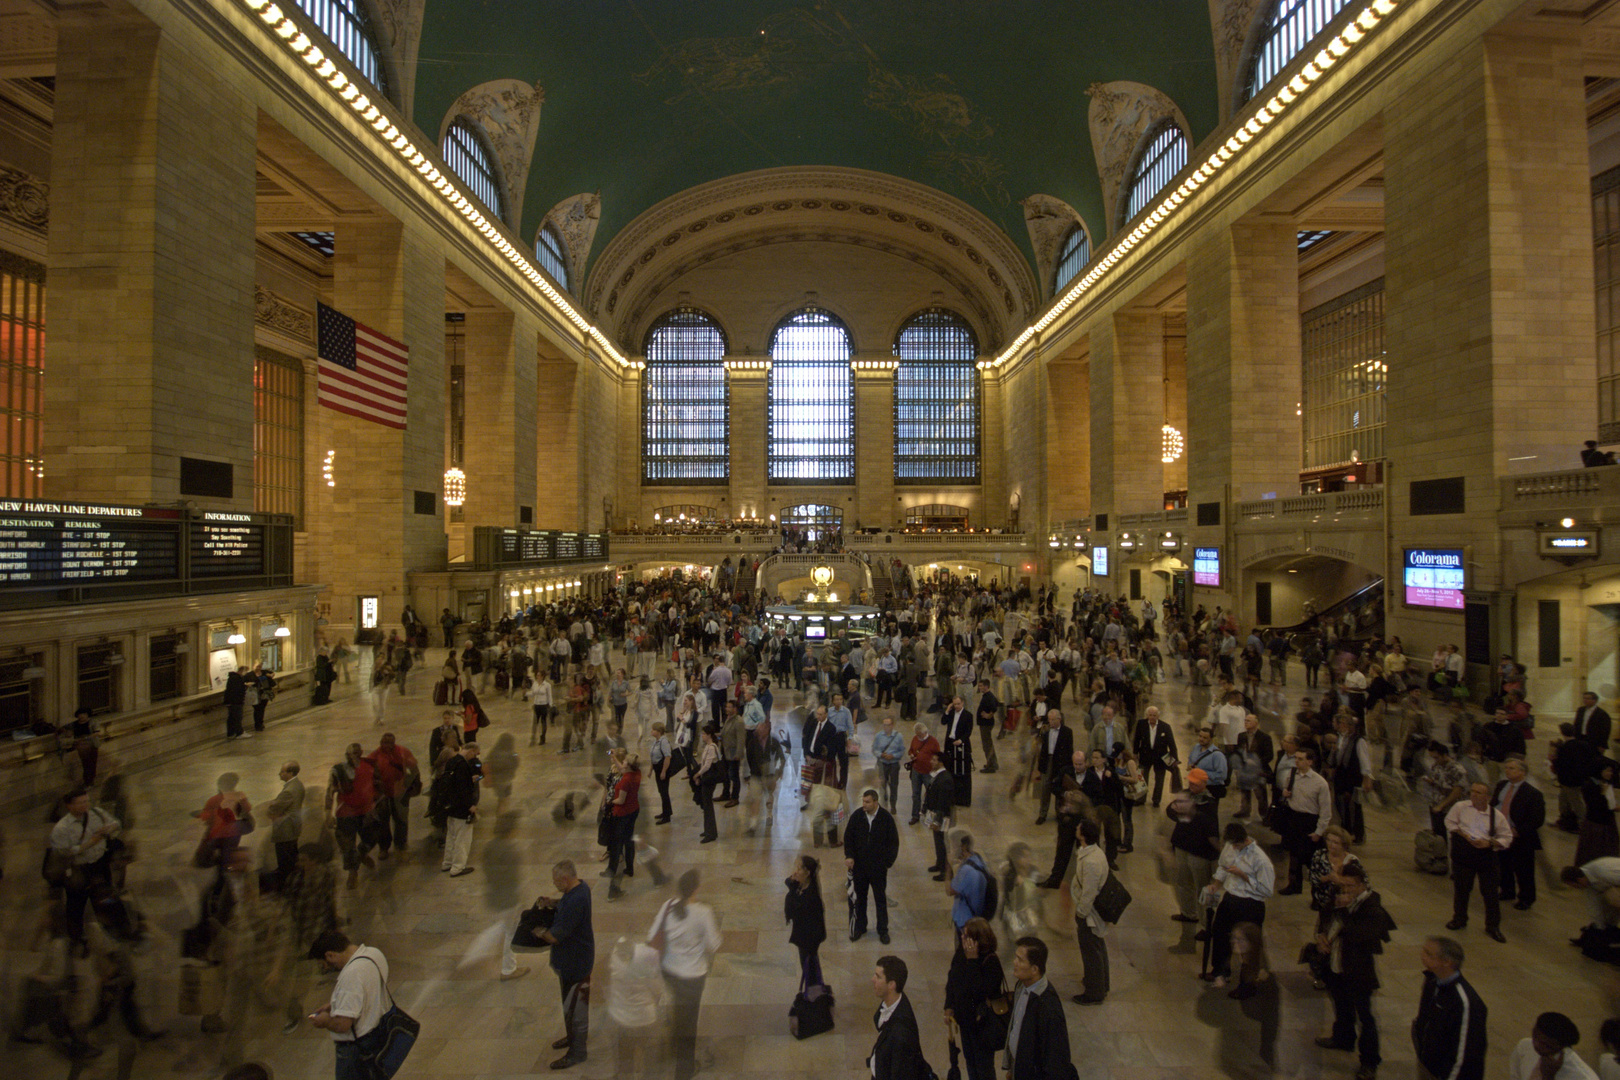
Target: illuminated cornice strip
{"points": [[1296, 88], [349, 92]]}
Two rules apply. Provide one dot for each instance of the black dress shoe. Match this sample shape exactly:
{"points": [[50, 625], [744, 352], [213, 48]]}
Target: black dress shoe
{"points": [[939, 877], [1202, 935], [1041, 820], [1456, 924], [883, 936], [1495, 935], [1179, 917], [1048, 884], [1522, 905], [563, 1043], [1084, 999], [856, 935], [1327, 1042]]}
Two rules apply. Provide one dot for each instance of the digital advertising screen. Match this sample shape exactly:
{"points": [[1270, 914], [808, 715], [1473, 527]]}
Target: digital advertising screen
{"points": [[814, 630], [1207, 567], [1433, 578], [1099, 561]]}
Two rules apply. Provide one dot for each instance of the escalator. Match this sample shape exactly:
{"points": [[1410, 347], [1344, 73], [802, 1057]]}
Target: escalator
{"points": [[1357, 618]]}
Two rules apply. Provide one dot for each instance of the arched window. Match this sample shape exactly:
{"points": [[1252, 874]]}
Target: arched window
{"points": [[936, 400], [685, 432], [1164, 154], [548, 248], [1072, 258], [469, 157], [346, 25], [811, 422], [1290, 27]]}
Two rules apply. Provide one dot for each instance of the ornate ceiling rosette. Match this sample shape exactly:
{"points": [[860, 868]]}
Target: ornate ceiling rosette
{"points": [[641, 268]]}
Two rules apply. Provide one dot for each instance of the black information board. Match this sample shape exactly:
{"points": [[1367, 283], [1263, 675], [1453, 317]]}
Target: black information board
{"points": [[85, 549], [227, 545], [521, 547]]}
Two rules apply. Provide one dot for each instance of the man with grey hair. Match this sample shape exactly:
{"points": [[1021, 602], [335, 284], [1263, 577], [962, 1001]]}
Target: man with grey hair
{"points": [[573, 953], [1449, 1030], [286, 814]]}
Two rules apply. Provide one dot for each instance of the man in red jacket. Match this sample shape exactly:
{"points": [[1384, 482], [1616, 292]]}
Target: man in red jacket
{"points": [[352, 789], [396, 772]]}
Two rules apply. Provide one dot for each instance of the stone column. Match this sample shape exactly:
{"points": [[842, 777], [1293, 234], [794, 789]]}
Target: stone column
{"points": [[1127, 410], [150, 270], [1243, 363], [1068, 447], [1489, 309], [560, 471], [500, 362], [874, 443], [368, 530], [747, 389]]}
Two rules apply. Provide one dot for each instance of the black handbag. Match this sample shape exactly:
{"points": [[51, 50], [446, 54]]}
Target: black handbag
{"points": [[385, 1047], [995, 1015], [1112, 900], [811, 1013], [531, 921]]}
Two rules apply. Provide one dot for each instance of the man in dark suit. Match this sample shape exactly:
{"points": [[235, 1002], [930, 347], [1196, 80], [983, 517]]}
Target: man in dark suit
{"points": [[897, 1054], [1072, 806], [1526, 810], [957, 737], [1037, 1032], [1355, 934], [1156, 749], [988, 709], [871, 844], [939, 803], [1448, 1032], [1054, 751], [1591, 722]]}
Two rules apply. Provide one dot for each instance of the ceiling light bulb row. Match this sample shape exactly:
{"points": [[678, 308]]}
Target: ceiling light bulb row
{"points": [[347, 91], [1336, 49]]}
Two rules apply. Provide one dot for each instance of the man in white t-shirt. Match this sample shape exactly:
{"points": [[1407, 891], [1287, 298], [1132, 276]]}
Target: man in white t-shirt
{"points": [[359, 999]]}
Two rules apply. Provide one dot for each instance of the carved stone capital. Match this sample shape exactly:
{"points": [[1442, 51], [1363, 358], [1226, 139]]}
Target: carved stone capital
{"points": [[25, 200], [275, 313]]}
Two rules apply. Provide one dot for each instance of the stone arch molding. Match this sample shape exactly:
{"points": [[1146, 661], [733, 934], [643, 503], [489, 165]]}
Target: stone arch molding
{"points": [[1120, 114], [398, 26], [575, 219], [507, 111], [640, 269], [1049, 221], [1237, 25]]}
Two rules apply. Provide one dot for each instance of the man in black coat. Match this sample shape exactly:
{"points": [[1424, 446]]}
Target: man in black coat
{"points": [[1449, 1030], [1574, 761], [1037, 1032], [1526, 810], [939, 804], [871, 844], [1592, 724], [897, 1054], [1156, 749], [1355, 934], [988, 709], [1054, 752], [235, 698]]}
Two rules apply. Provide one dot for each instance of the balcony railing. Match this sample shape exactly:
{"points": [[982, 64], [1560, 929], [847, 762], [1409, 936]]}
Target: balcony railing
{"points": [[1361, 502]]}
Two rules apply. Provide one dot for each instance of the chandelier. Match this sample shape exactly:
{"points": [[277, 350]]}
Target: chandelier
{"points": [[1173, 444], [455, 487]]}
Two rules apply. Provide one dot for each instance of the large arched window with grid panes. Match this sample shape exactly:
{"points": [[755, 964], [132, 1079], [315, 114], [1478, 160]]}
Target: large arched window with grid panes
{"points": [[685, 427], [1290, 26], [1072, 258], [811, 422], [347, 25], [470, 158], [548, 249], [936, 400], [1164, 153]]}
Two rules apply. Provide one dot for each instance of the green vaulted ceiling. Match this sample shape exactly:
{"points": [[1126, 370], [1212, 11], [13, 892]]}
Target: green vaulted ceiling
{"points": [[983, 99]]}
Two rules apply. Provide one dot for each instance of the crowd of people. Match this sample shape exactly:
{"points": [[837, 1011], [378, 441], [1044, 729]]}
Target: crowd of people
{"points": [[1261, 800]]}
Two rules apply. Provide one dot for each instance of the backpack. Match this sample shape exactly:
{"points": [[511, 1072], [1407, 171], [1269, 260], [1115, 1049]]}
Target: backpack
{"points": [[990, 894], [1429, 853]]}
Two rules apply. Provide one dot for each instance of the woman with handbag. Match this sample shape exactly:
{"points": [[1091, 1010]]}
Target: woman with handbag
{"points": [[976, 999], [805, 912], [1136, 792], [226, 817]]}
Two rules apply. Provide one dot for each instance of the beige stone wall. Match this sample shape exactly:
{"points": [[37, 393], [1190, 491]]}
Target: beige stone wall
{"points": [[151, 265], [1024, 435], [501, 402], [1127, 412]]}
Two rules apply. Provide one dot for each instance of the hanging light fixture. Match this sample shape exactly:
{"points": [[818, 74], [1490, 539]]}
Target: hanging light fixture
{"points": [[1173, 443], [455, 487], [236, 636]]}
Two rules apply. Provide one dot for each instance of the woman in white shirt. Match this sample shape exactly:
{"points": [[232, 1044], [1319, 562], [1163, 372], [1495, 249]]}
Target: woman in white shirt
{"points": [[541, 699], [688, 938]]}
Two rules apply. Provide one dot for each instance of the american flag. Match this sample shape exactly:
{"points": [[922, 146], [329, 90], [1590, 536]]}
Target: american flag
{"points": [[362, 373]]}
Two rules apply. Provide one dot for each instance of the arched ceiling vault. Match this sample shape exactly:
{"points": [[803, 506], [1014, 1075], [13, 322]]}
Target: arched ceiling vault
{"points": [[638, 274]]}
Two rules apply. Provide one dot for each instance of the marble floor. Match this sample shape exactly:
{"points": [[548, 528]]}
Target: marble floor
{"points": [[442, 936]]}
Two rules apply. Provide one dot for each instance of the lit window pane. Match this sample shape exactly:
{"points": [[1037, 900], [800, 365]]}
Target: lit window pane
{"points": [[469, 158], [548, 249], [936, 401], [1166, 155], [22, 377], [1292, 26], [686, 435], [812, 401], [345, 24], [1073, 258], [1605, 240], [278, 434], [1345, 375]]}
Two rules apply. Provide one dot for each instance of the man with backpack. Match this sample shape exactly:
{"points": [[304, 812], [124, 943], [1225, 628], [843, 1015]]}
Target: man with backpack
{"points": [[973, 888]]}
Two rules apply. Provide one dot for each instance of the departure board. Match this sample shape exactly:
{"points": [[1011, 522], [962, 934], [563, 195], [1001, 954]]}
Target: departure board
{"points": [[227, 545], [73, 548], [520, 547]]}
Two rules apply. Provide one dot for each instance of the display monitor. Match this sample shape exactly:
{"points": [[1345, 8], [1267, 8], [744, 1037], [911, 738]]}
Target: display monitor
{"points": [[814, 630], [1099, 561], [1434, 578], [1207, 567]]}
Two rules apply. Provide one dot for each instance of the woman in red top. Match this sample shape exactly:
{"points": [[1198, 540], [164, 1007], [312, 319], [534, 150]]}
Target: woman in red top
{"points": [[920, 760], [624, 806], [224, 815]]}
